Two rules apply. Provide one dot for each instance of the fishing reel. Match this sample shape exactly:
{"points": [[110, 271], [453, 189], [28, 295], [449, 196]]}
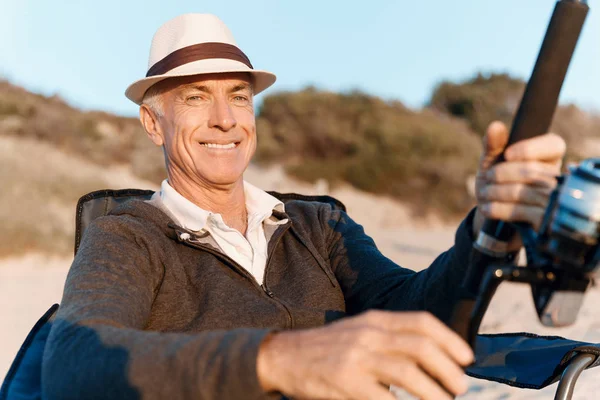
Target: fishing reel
{"points": [[566, 250], [563, 256]]}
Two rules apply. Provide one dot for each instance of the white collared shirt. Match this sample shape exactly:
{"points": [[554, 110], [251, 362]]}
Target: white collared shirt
{"points": [[249, 251]]}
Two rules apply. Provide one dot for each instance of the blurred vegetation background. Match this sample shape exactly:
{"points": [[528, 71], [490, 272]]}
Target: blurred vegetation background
{"points": [[53, 153]]}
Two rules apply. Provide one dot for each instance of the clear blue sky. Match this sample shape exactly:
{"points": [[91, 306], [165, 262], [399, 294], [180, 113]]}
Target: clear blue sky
{"points": [[89, 51]]}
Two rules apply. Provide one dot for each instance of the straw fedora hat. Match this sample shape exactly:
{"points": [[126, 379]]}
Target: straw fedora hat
{"points": [[192, 44]]}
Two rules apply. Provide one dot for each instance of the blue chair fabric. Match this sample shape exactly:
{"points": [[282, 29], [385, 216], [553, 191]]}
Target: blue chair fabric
{"points": [[526, 360], [24, 378]]}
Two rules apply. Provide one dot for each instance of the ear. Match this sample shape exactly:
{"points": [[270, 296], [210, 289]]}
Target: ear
{"points": [[151, 125]]}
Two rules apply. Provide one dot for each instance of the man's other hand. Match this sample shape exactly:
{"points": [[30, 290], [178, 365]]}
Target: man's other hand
{"points": [[519, 188], [359, 357]]}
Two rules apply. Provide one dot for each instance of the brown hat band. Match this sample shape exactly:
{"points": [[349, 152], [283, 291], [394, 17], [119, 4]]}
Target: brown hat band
{"points": [[201, 51]]}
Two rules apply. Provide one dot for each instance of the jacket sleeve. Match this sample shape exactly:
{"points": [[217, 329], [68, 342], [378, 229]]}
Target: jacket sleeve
{"points": [[370, 280], [98, 349]]}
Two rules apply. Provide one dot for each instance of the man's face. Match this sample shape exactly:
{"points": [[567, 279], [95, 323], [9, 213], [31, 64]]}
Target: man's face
{"points": [[207, 127]]}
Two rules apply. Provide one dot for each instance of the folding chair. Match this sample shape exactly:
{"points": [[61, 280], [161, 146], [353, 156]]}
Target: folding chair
{"points": [[521, 360]]}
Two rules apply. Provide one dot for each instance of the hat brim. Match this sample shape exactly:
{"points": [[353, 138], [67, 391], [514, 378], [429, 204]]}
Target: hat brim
{"points": [[262, 79]]}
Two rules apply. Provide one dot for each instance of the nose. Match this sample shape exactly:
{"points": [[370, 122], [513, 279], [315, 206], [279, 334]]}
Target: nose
{"points": [[221, 115]]}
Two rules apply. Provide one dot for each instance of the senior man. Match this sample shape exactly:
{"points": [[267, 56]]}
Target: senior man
{"points": [[215, 289]]}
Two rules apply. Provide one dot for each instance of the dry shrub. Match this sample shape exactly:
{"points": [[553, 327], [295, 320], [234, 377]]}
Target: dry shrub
{"points": [[41, 186], [102, 138]]}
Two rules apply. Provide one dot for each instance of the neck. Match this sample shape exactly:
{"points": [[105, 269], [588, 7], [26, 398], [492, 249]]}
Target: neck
{"points": [[227, 200]]}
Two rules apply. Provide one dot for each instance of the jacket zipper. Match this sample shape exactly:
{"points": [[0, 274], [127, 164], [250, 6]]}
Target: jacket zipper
{"points": [[264, 285], [262, 288]]}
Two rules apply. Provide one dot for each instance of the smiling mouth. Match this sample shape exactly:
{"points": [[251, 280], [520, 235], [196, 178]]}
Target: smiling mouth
{"points": [[222, 146]]}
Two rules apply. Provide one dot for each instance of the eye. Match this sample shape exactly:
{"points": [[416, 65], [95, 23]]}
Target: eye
{"points": [[195, 99], [240, 99]]}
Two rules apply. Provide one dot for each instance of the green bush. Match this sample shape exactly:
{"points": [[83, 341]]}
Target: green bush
{"points": [[382, 147], [480, 100], [486, 98]]}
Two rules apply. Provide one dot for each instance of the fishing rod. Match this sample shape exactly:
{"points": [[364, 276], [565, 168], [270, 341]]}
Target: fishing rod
{"points": [[533, 118]]}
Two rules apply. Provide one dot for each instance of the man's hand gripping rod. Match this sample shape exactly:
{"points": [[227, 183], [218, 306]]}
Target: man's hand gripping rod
{"points": [[533, 118]]}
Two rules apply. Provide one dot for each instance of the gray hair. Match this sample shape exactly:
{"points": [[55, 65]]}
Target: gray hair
{"points": [[153, 99]]}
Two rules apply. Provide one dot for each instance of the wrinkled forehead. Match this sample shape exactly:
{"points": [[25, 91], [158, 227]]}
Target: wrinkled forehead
{"points": [[224, 80]]}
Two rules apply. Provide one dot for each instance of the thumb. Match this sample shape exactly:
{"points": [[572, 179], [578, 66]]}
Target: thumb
{"points": [[494, 142]]}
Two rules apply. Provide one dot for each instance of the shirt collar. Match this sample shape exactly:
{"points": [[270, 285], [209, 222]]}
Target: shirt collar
{"points": [[260, 202], [260, 205], [188, 215]]}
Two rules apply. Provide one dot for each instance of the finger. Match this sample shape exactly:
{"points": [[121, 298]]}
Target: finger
{"points": [[530, 172], [431, 357], [514, 193], [423, 323], [494, 142], [420, 348], [549, 147], [513, 212], [407, 375]]}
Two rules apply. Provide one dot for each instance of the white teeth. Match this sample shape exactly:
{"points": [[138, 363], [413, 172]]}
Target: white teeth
{"points": [[219, 146]]}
